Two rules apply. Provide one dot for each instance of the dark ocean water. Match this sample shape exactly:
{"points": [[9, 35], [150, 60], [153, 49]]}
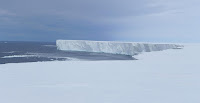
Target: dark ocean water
{"points": [[19, 52]]}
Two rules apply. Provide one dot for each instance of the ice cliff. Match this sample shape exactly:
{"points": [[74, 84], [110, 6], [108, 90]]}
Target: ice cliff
{"points": [[127, 48]]}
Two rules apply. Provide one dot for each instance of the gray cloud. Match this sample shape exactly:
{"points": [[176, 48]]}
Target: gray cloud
{"points": [[6, 13], [133, 20]]}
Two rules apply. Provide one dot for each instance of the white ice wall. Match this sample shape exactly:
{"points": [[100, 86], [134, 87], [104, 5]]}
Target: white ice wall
{"points": [[127, 48]]}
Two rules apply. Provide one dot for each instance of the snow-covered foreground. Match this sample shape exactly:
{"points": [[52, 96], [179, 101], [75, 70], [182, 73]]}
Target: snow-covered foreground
{"points": [[170, 76]]}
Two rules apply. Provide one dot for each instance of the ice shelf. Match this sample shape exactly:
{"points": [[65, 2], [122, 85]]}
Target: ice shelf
{"points": [[126, 48]]}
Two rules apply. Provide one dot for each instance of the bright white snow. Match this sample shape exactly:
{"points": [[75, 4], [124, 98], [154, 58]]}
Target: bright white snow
{"points": [[18, 56], [127, 48], [170, 76]]}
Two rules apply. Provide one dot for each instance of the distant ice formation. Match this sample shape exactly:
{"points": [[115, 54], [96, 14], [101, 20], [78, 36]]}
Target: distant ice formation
{"points": [[126, 48]]}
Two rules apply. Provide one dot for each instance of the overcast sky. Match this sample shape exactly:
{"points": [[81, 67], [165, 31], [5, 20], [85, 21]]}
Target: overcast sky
{"points": [[119, 20]]}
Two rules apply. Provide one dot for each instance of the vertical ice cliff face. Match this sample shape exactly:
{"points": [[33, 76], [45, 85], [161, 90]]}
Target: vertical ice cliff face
{"points": [[127, 48]]}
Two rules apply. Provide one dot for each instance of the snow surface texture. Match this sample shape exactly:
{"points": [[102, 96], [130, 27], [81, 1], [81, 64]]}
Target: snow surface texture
{"points": [[127, 48], [170, 76]]}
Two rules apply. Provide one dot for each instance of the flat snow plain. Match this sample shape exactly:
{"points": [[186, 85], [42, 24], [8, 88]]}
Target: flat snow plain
{"points": [[170, 76]]}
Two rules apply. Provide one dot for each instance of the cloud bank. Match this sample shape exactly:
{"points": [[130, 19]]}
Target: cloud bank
{"points": [[127, 20]]}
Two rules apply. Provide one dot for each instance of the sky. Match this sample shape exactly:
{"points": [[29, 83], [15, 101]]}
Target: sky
{"points": [[114, 20]]}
